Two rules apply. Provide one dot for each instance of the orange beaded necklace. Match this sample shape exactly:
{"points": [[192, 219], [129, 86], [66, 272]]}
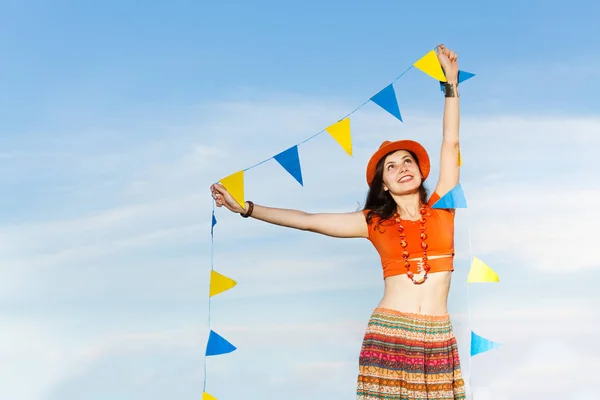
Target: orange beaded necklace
{"points": [[404, 244]]}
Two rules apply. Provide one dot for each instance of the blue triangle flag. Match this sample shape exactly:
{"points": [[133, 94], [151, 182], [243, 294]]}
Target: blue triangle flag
{"points": [[386, 99], [462, 76], [290, 160], [455, 198], [480, 344], [218, 345], [214, 222]]}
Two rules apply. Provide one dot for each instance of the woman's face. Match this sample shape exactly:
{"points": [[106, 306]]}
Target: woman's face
{"points": [[401, 173]]}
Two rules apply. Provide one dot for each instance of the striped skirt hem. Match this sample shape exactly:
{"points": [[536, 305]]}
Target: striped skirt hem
{"points": [[406, 356]]}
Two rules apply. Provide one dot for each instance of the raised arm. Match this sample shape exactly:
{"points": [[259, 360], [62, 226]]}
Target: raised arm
{"points": [[449, 168], [340, 225]]}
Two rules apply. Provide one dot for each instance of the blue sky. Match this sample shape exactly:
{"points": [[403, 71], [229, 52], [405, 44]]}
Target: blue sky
{"points": [[116, 118]]}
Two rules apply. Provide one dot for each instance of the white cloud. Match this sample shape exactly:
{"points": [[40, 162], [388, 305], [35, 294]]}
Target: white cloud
{"points": [[34, 357], [118, 344], [52, 361], [549, 369], [547, 228]]}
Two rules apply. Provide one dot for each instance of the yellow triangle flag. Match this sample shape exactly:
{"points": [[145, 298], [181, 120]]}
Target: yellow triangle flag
{"points": [[340, 131], [459, 159], [430, 64], [206, 396], [234, 184], [220, 283], [481, 272]]}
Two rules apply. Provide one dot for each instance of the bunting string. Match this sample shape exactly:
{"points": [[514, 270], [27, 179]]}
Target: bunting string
{"points": [[340, 132]]}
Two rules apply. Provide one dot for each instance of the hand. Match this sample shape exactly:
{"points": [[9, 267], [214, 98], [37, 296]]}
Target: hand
{"points": [[223, 198], [448, 61]]}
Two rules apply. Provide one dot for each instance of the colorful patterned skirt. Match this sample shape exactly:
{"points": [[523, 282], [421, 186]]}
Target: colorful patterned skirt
{"points": [[407, 356]]}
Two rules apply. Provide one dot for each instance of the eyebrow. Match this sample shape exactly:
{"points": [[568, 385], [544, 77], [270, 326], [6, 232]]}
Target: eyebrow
{"points": [[392, 161]]}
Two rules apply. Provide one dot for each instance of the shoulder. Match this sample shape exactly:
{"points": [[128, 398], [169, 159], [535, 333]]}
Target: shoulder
{"points": [[376, 224], [433, 198], [370, 216]]}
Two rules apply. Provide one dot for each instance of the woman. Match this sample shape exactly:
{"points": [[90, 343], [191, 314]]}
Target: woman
{"points": [[409, 350]]}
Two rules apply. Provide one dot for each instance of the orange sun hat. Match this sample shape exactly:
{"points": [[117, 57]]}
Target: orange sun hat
{"points": [[387, 147]]}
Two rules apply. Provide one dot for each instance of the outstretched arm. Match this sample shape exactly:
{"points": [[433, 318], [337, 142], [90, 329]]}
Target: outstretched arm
{"points": [[449, 169], [341, 225]]}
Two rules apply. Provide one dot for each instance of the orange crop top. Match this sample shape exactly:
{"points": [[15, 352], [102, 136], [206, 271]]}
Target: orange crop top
{"points": [[440, 241]]}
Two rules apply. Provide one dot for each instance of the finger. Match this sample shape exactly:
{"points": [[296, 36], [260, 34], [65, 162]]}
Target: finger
{"points": [[219, 189]]}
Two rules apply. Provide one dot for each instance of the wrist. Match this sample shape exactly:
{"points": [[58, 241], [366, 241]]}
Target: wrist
{"points": [[451, 89], [248, 209]]}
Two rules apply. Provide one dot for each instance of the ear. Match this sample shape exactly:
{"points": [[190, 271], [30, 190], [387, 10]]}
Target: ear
{"points": [[385, 188]]}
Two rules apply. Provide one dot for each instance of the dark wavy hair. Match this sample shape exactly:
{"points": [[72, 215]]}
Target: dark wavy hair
{"points": [[379, 202]]}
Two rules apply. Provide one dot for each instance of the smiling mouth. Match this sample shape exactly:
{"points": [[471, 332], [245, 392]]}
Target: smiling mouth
{"points": [[406, 178]]}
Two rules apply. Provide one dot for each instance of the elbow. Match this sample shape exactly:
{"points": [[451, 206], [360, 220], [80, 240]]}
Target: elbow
{"points": [[307, 222], [450, 141]]}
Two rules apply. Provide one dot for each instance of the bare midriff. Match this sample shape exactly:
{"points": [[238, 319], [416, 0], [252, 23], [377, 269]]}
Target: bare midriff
{"points": [[431, 297]]}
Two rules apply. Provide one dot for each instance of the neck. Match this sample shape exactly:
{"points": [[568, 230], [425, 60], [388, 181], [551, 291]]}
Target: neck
{"points": [[409, 206]]}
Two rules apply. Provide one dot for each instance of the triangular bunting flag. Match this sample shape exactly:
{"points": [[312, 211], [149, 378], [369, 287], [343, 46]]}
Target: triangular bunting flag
{"points": [[480, 344], [220, 283], [218, 345], [481, 272], [462, 76], [290, 160], [430, 64], [459, 158], [387, 100], [206, 396], [455, 198], [214, 222], [340, 131], [234, 184]]}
